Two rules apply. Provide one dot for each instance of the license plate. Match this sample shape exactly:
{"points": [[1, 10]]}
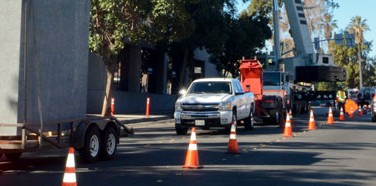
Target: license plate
{"points": [[200, 122]]}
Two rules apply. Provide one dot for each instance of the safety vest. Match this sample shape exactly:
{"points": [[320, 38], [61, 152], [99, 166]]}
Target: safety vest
{"points": [[341, 96]]}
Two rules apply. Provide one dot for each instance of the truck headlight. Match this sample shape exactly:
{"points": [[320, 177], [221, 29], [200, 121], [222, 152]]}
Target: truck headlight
{"points": [[178, 106], [225, 106]]}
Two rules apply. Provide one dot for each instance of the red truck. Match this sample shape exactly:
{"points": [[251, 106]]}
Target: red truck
{"points": [[271, 90]]}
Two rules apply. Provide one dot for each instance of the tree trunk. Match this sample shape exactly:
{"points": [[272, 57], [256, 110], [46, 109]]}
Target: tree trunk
{"points": [[183, 68], [106, 108], [360, 66]]}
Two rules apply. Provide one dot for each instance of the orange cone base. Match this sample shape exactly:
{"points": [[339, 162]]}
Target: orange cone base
{"points": [[287, 133], [342, 117], [312, 126], [191, 161], [233, 147]]}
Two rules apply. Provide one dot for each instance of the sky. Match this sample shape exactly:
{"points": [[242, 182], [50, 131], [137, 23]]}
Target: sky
{"points": [[363, 8], [347, 10]]}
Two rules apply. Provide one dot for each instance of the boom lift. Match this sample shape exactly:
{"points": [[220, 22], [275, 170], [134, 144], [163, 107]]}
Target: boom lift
{"points": [[275, 87]]}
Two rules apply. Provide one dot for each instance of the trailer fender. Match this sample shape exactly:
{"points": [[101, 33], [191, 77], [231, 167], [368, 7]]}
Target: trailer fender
{"points": [[79, 134]]}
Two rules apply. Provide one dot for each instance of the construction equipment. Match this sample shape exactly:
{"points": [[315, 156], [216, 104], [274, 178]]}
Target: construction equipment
{"points": [[307, 65]]}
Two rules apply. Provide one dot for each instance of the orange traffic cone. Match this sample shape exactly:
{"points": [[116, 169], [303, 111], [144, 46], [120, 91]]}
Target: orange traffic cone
{"points": [[191, 159], [311, 123], [288, 129], [233, 142], [69, 178], [330, 116], [360, 113], [341, 115]]}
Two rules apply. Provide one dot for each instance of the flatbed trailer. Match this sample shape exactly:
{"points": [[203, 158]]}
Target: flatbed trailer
{"points": [[94, 137]]}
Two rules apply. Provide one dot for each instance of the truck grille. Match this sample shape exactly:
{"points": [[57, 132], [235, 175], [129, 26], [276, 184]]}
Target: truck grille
{"points": [[200, 107]]}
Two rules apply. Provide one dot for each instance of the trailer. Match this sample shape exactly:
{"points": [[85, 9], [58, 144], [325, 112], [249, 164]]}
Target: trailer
{"points": [[44, 81]]}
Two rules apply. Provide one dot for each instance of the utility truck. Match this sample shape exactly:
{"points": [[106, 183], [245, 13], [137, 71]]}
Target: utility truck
{"points": [[212, 103], [44, 75], [271, 90]]}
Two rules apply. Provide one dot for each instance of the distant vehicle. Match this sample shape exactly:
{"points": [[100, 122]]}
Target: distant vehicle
{"points": [[214, 102], [352, 93], [373, 110], [365, 95]]}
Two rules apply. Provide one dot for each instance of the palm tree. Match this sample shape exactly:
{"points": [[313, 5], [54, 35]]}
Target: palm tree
{"points": [[358, 26]]}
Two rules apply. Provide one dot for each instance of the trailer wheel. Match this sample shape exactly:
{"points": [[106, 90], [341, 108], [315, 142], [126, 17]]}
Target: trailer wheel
{"points": [[90, 152], [13, 156], [180, 130], [108, 144], [249, 123]]}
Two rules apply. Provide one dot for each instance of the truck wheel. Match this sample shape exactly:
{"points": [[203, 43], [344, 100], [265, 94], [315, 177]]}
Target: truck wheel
{"points": [[108, 143], [180, 130], [92, 146], [13, 156], [249, 123]]}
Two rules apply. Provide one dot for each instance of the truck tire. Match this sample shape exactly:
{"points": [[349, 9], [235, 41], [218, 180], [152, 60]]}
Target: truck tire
{"points": [[92, 146], [13, 156], [109, 143], [249, 123], [180, 130]]}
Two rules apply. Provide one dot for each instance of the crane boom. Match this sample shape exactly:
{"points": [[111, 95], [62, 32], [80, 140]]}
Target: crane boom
{"points": [[307, 65]]}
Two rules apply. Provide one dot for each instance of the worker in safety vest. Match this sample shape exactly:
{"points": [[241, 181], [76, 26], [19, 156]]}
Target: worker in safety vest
{"points": [[341, 98]]}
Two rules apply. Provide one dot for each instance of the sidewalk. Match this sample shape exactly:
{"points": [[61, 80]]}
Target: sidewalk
{"points": [[140, 118]]}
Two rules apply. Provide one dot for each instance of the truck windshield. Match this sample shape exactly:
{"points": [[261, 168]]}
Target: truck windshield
{"points": [[210, 87], [271, 78]]}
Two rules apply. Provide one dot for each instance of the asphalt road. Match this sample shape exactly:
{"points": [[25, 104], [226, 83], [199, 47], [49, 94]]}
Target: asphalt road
{"points": [[339, 154]]}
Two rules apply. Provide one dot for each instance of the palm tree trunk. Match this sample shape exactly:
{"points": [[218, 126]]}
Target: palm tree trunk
{"points": [[360, 67]]}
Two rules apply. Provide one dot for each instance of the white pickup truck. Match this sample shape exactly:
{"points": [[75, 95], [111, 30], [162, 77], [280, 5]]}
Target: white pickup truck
{"points": [[214, 102]]}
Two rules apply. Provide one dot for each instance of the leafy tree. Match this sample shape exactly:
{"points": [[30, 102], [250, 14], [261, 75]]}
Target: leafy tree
{"points": [[106, 38], [248, 35], [344, 56], [115, 21], [209, 31]]}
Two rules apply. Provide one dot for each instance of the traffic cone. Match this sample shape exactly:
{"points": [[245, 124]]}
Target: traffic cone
{"points": [[311, 123], [341, 115], [69, 178], [191, 158], [288, 129], [365, 110], [233, 142], [330, 120], [360, 111]]}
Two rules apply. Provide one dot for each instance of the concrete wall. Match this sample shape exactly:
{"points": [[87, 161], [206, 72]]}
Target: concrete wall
{"points": [[210, 68], [132, 102], [126, 102], [44, 60]]}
